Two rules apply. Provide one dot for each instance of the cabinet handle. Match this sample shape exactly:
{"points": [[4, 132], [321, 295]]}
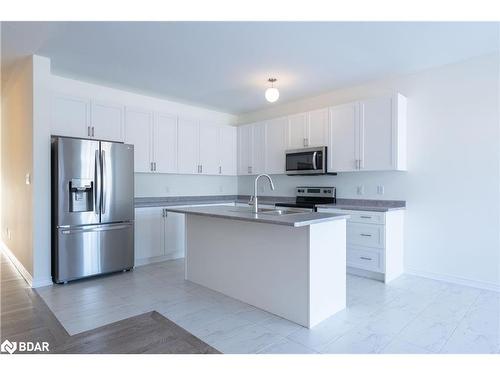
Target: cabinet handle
{"points": [[220, 169], [365, 217], [92, 131], [251, 169], [88, 131], [365, 258], [365, 235], [154, 164], [201, 168], [151, 166]]}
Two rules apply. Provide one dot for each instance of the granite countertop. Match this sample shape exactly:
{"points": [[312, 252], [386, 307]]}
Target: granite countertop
{"points": [[366, 205], [183, 201], [299, 219], [342, 203]]}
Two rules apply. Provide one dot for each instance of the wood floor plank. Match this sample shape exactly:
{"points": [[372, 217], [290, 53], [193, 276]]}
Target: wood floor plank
{"points": [[24, 316]]}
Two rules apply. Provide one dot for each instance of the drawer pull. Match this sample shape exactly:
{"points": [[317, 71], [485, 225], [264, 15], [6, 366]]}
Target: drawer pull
{"points": [[365, 258], [365, 235], [365, 217]]}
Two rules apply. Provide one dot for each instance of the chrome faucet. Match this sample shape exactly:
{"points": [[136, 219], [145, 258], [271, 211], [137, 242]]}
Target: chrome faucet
{"points": [[255, 199]]}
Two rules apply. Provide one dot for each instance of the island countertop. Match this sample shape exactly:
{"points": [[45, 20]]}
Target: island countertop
{"points": [[296, 219]]}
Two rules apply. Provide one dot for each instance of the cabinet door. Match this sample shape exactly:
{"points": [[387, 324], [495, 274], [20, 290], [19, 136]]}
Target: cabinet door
{"points": [[317, 129], [376, 136], [138, 128], [258, 148], [174, 235], [107, 121], [165, 143], [209, 158], [244, 149], [188, 146], [343, 145], [297, 131], [276, 144], [149, 233], [70, 116], [227, 150]]}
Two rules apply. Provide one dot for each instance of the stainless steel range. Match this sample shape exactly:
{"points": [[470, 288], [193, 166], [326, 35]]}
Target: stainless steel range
{"points": [[92, 207], [307, 197]]}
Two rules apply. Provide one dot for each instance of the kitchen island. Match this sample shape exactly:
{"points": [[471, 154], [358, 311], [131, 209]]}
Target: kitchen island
{"points": [[292, 264]]}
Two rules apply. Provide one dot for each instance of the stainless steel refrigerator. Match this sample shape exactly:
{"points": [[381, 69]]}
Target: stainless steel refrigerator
{"points": [[92, 208]]}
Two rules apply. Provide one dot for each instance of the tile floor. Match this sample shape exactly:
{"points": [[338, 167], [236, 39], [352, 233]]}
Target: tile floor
{"points": [[410, 315]]}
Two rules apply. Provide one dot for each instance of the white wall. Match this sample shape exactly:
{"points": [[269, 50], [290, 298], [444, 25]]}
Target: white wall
{"points": [[17, 161], [164, 185], [452, 183]]}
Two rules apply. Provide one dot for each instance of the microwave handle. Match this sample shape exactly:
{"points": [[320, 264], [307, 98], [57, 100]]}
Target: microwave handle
{"points": [[315, 153]]}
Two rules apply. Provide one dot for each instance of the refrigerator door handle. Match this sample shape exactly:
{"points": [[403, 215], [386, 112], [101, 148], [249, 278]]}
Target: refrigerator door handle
{"points": [[94, 228], [97, 183], [103, 182]]}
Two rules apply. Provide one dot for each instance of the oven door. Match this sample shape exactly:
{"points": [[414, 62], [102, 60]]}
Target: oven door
{"points": [[306, 161]]}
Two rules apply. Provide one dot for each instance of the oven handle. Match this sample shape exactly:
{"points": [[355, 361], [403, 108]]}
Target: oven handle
{"points": [[315, 153]]}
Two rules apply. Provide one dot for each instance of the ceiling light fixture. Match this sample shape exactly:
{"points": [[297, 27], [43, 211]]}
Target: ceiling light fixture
{"points": [[272, 93]]}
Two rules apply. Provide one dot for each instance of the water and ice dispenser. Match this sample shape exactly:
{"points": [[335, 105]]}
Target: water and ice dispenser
{"points": [[81, 195]]}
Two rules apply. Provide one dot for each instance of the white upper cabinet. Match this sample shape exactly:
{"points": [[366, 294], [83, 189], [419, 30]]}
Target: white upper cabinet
{"points": [[252, 148], [258, 148], [368, 135], [86, 118], [138, 131], [209, 158], [383, 133], [165, 143], [226, 150], [343, 145], [276, 145], [309, 129], [297, 131], [106, 121], [244, 149], [70, 116], [188, 146], [317, 128]]}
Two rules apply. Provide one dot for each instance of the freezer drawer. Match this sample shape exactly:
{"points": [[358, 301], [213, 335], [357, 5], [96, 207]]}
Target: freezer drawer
{"points": [[93, 249]]}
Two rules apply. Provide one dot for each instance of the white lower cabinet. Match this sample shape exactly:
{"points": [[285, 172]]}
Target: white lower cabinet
{"points": [[374, 243], [158, 235]]}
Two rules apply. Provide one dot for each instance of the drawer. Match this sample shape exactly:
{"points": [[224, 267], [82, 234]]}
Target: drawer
{"points": [[367, 217], [365, 259], [371, 235]]}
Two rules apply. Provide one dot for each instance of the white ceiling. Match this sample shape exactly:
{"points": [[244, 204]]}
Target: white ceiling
{"points": [[225, 65]]}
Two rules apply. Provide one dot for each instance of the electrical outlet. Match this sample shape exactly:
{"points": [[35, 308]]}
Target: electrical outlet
{"points": [[360, 190], [380, 189]]}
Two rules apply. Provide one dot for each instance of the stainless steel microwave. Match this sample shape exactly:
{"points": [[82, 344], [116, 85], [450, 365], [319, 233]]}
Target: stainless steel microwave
{"points": [[306, 161]]}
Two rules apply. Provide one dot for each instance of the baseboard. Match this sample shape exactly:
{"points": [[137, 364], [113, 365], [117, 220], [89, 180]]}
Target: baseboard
{"points": [[163, 258], [33, 283], [19, 266], [453, 279], [363, 273]]}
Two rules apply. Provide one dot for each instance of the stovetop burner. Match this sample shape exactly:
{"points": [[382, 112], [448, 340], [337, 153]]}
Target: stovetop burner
{"points": [[309, 197]]}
